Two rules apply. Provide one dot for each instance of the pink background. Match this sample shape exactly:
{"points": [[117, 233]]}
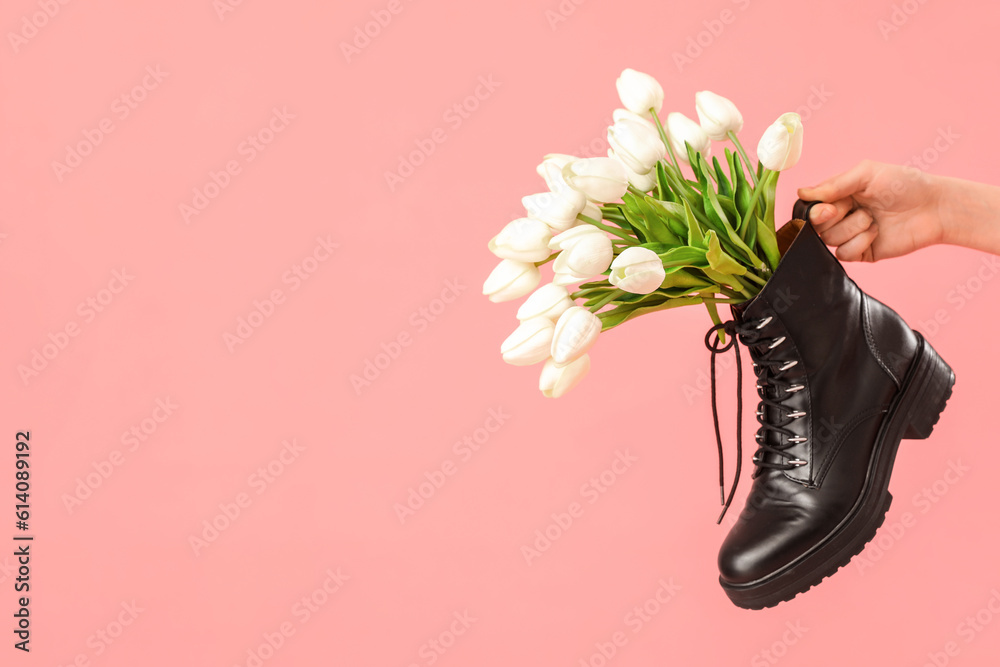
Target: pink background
{"points": [[331, 505]]}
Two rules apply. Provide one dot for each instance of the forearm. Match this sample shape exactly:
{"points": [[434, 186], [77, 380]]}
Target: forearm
{"points": [[970, 214]]}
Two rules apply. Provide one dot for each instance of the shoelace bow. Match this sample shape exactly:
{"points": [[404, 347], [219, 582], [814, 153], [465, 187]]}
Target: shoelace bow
{"points": [[769, 374]]}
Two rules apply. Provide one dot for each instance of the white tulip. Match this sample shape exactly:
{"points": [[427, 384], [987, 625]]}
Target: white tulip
{"points": [[548, 301], [681, 129], [555, 381], [637, 145], [558, 210], [575, 333], [524, 239], [588, 256], [624, 114], [601, 179], [592, 211], [637, 270], [565, 240], [511, 279], [781, 145], [641, 182], [567, 277], [718, 115], [551, 170], [530, 343], [639, 92]]}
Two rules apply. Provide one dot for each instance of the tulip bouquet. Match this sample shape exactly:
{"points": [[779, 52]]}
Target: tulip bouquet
{"points": [[657, 224]]}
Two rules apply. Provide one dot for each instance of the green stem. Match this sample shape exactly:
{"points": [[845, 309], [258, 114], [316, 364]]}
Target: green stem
{"points": [[665, 139], [733, 294], [711, 174], [611, 230], [743, 154], [741, 287], [546, 261], [713, 313], [754, 278], [608, 298], [580, 294], [757, 192], [671, 303]]}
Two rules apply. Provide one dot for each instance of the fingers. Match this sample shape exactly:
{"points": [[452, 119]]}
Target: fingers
{"points": [[825, 216], [843, 231], [841, 186], [859, 248]]}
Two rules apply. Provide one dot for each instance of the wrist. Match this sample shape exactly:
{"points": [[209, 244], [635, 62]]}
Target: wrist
{"points": [[945, 208], [969, 213]]}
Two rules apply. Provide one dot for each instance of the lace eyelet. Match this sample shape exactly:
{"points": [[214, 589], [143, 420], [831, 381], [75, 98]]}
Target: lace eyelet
{"points": [[798, 439], [794, 388], [796, 415], [776, 343], [763, 323], [798, 463], [788, 364]]}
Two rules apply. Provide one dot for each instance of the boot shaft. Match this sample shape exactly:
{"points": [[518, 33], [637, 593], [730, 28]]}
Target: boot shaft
{"points": [[830, 334]]}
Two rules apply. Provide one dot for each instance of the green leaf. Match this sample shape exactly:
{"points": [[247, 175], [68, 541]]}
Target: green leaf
{"points": [[620, 314], [668, 208], [713, 209], [695, 235], [635, 219], [742, 195], [666, 192], [768, 244], [659, 220], [653, 218], [679, 276], [683, 256], [729, 206], [719, 260], [725, 189], [647, 299], [693, 156], [713, 312], [732, 167], [769, 201], [678, 292], [655, 221], [659, 248], [749, 231]]}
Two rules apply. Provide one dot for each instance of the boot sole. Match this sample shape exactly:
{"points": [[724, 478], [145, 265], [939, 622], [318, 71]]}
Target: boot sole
{"points": [[912, 415]]}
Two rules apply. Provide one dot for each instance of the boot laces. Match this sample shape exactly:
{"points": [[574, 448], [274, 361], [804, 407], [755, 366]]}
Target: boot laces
{"points": [[772, 389]]}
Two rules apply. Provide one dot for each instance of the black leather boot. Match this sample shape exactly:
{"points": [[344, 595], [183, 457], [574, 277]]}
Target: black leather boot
{"points": [[841, 379]]}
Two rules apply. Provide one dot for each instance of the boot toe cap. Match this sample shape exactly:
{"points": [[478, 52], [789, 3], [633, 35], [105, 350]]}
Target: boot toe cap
{"points": [[757, 549]]}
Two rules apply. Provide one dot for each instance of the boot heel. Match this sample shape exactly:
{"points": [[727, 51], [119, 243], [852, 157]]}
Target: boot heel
{"points": [[932, 381]]}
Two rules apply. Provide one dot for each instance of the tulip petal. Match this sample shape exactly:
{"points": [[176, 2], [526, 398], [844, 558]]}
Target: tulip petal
{"points": [[575, 333], [555, 381]]}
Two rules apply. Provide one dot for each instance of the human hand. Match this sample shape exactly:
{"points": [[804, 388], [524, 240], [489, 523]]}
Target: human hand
{"points": [[876, 211]]}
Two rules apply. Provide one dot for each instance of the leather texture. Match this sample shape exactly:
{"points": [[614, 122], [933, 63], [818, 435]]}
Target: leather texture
{"points": [[850, 354]]}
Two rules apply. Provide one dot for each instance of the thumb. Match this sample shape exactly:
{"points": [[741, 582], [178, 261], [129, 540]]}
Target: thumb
{"points": [[840, 186]]}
